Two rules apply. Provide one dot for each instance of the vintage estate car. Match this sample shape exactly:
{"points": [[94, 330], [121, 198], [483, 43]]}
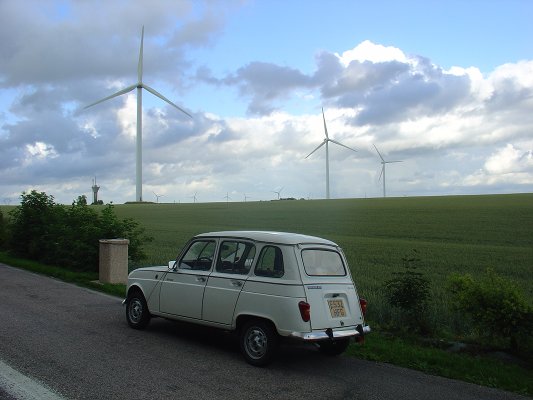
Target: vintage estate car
{"points": [[263, 285]]}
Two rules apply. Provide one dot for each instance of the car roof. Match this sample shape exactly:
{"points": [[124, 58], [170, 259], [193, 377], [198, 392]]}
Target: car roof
{"points": [[270, 237]]}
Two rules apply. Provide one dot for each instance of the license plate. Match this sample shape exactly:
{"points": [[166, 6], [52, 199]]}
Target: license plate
{"points": [[336, 308]]}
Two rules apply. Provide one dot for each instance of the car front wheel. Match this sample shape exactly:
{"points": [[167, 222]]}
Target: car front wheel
{"points": [[137, 313], [258, 341]]}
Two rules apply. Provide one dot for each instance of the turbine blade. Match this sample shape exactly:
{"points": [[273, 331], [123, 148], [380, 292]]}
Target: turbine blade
{"points": [[156, 93], [380, 156], [119, 93], [381, 173], [390, 162], [318, 147], [340, 144], [140, 65], [325, 127]]}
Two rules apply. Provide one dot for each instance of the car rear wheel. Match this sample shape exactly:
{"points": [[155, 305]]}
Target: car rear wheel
{"points": [[333, 347], [258, 341], [137, 313]]}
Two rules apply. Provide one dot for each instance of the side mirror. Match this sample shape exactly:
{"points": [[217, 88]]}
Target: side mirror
{"points": [[172, 264]]}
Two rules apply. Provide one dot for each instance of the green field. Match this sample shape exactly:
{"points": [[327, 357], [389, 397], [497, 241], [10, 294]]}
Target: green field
{"points": [[451, 234]]}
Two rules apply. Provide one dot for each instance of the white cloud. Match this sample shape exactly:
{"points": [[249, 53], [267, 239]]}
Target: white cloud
{"points": [[40, 150], [509, 160], [375, 53]]}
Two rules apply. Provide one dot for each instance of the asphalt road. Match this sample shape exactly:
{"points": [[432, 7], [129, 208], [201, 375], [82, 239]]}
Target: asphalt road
{"points": [[77, 343]]}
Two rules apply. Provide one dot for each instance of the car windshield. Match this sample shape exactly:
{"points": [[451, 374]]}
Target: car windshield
{"points": [[199, 256], [320, 262]]}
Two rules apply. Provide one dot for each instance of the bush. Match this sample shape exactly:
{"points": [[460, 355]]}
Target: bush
{"points": [[3, 237], [497, 309], [409, 291], [44, 231]]}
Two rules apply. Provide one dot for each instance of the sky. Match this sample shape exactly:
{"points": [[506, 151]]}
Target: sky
{"points": [[446, 87]]}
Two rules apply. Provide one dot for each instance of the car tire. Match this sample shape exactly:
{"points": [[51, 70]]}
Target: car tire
{"points": [[137, 313], [333, 347], [258, 341]]}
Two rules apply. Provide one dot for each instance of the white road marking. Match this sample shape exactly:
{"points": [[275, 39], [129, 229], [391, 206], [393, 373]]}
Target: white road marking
{"points": [[22, 387]]}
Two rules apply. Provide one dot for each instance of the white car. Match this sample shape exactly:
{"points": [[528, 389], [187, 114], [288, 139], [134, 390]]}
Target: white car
{"points": [[262, 285]]}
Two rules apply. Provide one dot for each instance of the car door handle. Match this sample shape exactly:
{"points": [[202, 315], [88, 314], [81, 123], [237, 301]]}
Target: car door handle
{"points": [[200, 279], [236, 283]]}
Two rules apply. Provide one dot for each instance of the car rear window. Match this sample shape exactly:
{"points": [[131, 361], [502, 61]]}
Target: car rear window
{"points": [[320, 262]]}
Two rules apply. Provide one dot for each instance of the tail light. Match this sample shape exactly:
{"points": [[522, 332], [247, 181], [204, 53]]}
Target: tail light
{"points": [[363, 303], [305, 311]]}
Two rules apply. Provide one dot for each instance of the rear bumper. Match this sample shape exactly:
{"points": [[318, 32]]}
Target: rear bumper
{"points": [[358, 331]]}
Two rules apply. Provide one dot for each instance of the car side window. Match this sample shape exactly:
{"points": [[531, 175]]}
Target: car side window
{"points": [[199, 256], [235, 257], [270, 262]]}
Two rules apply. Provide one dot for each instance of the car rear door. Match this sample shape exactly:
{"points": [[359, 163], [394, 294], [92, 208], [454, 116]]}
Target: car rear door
{"points": [[329, 288], [234, 260]]}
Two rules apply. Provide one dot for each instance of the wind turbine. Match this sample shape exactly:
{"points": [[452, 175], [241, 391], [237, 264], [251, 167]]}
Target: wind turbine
{"points": [[139, 85], [383, 163], [157, 196], [278, 192], [326, 142], [227, 197]]}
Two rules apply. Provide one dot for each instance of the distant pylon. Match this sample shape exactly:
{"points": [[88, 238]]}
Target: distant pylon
{"points": [[95, 191]]}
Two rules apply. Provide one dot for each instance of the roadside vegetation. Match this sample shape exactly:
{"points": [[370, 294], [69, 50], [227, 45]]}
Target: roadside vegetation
{"points": [[448, 280], [42, 230]]}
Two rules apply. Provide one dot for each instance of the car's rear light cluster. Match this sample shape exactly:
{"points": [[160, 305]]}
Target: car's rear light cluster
{"points": [[363, 303], [305, 311]]}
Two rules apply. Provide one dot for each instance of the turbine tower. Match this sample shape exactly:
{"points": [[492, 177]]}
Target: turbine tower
{"points": [[383, 163], [139, 85], [326, 142]]}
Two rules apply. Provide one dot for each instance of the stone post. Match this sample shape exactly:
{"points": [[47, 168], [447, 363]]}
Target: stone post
{"points": [[113, 261]]}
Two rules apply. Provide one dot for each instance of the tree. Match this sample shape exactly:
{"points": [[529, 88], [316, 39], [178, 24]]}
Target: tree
{"points": [[33, 226]]}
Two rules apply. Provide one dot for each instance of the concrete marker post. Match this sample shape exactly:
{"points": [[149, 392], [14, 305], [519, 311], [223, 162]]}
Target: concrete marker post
{"points": [[113, 260]]}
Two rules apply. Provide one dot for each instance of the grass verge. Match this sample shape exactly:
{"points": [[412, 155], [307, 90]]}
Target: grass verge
{"points": [[84, 279], [379, 346], [479, 369]]}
